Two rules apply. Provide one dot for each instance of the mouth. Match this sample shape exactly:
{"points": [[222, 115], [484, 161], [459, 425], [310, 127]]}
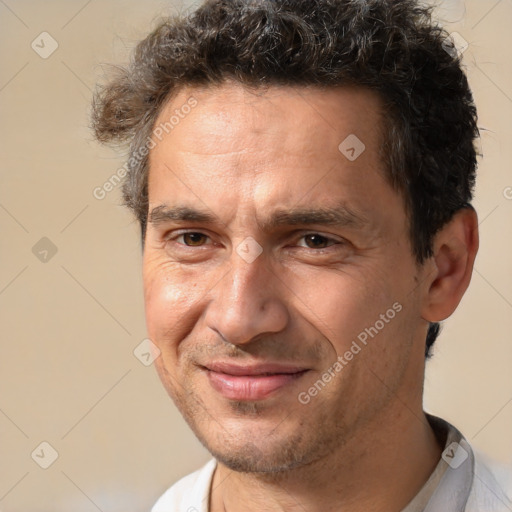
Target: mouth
{"points": [[251, 382]]}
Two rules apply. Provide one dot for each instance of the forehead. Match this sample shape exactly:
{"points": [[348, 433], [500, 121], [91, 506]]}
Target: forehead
{"points": [[286, 119], [227, 146]]}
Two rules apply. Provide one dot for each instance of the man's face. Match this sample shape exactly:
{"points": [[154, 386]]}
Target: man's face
{"points": [[270, 255]]}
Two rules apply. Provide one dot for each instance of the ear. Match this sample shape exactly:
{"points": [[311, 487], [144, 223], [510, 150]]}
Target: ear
{"points": [[455, 248]]}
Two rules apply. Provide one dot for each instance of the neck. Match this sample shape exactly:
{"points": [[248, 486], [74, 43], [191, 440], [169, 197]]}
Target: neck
{"points": [[393, 457]]}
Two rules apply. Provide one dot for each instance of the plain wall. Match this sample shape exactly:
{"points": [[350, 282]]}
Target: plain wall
{"points": [[68, 374]]}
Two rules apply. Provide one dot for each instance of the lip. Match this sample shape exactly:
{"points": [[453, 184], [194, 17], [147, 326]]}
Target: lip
{"points": [[251, 382]]}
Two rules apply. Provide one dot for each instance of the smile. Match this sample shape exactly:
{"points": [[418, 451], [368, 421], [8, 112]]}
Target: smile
{"points": [[251, 382]]}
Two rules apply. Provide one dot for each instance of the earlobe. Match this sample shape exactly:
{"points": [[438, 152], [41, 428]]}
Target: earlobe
{"points": [[455, 248]]}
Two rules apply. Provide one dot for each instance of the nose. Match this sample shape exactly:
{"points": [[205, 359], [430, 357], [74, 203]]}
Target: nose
{"points": [[247, 302]]}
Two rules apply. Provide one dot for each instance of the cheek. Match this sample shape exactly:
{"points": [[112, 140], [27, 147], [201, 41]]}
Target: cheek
{"points": [[342, 304], [171, 305]]}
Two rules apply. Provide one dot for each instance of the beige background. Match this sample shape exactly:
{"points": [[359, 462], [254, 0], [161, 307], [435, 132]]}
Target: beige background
{"points": [[68, 375]]}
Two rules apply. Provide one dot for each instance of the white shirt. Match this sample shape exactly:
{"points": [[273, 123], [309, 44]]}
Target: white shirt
{"points": [[460, 482]]}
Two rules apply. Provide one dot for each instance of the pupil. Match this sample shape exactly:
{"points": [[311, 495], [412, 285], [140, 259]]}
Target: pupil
{"points": [[193, 238], [316, 240]]}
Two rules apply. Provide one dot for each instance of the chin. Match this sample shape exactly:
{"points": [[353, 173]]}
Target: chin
{"points": [[251, 459], [250, 450]]}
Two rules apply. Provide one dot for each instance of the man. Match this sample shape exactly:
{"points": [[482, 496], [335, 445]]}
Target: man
{"points": [[302, 171]]}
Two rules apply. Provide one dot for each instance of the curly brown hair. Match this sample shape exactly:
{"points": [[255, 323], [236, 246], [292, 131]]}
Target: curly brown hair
{"points": [[392, 47]]}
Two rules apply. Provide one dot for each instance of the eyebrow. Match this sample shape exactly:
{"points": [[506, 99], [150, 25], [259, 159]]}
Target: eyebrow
{"points": [[163, 213], [340, 216]]}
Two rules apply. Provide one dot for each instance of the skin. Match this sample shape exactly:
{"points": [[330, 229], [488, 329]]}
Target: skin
{"points": [[241, 155]]}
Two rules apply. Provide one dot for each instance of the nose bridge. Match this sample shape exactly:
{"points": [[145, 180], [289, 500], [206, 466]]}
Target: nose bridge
{"points": [[247, 303], [247, 282]]}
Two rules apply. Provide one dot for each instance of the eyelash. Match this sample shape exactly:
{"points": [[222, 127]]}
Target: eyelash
{"points": [[329, 240]]}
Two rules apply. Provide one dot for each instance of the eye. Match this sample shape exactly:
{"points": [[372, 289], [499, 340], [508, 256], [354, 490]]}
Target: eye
{"points": [[192, 239], [317, 241]]}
